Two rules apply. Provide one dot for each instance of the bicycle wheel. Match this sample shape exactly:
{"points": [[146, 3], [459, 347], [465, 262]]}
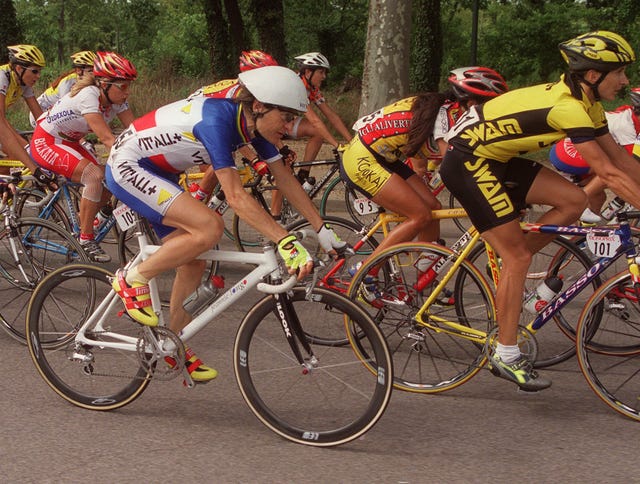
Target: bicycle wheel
{"points": [[563, 259], [430, 357], [338, 197], [89, 375], [28, 251], [608, 344], [30, 202], [336, 397]]}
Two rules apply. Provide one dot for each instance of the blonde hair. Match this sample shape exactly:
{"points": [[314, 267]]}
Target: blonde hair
{"points": [[87, 80]]}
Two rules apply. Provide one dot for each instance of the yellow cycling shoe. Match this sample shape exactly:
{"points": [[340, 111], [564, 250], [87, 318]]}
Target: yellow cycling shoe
{"points": [[136, 299], [199, 372]]}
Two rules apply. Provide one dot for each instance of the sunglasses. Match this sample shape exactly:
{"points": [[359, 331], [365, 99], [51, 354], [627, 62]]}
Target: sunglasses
{"points": [[33, 70], [123, 86], [287, 116]]}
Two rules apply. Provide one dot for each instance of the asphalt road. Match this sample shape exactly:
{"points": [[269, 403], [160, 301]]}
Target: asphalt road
{"points": [[484, 431]]}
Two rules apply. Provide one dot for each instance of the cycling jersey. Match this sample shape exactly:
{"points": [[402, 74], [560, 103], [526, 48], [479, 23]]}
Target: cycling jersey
{"points": [[448, 115], [65, 119], [527, 120], [225, 89], [146, 157], [371, 157], [49, 97], [10, 86]]}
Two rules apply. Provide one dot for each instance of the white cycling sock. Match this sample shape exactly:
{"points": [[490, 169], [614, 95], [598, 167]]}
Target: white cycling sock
{"points": [[507, 353], [134, 276]]}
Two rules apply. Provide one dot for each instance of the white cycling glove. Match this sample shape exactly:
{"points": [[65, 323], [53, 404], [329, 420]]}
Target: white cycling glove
{"points": [[329, 240]]}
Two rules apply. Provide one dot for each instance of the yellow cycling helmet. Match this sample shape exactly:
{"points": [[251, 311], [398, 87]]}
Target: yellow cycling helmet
{"points": [[84, 58], [25, 54], [600, 50]]}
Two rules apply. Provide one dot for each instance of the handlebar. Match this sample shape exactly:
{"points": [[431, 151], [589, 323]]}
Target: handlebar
{"points": [[277, 288]]}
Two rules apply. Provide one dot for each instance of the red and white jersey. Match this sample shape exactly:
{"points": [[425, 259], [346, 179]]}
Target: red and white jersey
{"points": [[447, 117], [65, 119]]}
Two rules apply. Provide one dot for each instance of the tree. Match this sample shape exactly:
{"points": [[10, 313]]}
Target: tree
{"points": [[386, 64], [219, 39], [426, 45], [269, 21], [9, 29]]}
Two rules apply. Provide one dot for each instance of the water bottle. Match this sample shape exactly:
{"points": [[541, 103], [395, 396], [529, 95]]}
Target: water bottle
{"points": [[614, 205], [204, 295], [426, 266], [101, 217], [260, 167], [436, 181], [308, 184], [218, 203], [537, 299]]}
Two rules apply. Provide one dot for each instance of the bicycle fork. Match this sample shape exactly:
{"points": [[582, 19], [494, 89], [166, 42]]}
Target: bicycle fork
{"points": [[292, 329]]}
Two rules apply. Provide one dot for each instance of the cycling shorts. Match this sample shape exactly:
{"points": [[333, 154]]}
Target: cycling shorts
{"points": [[144, 188], [565, 158], [492, 192], [58, 155], [365, 172]]}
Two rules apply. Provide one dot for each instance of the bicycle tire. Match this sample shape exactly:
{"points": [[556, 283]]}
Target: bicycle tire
{"points": [[426, 360], [561, 258], [29, 204], [42, 246], [348, 197], [608, 344], [94, 377], [333, 403]]}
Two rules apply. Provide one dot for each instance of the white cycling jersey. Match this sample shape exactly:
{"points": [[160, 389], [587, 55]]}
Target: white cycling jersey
{"points": [[65, 119]]}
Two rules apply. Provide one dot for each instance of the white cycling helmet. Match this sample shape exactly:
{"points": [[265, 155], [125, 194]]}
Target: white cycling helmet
{"points": [[313, 59], [277, 86]]}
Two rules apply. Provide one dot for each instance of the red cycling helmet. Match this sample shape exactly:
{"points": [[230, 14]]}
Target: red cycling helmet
{"points": [[255, 58], [113, 66], [476, 82]]}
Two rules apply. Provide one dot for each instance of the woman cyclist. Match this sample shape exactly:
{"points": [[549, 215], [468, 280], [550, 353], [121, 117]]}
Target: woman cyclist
{"points": [[17, 79], [93, 102], [624, 126], [372, 163], [484, 170], [82, 62], [143, 174]]}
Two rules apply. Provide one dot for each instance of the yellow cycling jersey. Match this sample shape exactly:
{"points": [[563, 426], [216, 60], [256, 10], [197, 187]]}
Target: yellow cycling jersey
{"points": [[526, 120], [10, 86], [385, 131]]}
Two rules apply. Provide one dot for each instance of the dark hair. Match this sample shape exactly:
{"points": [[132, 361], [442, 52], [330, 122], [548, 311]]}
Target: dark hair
{"points": [[425, 109]]}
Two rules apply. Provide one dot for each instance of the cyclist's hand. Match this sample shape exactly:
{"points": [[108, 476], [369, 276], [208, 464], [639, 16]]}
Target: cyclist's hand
{"points": [[295, 256], [46, 178], [288, 155], [330, 241]]}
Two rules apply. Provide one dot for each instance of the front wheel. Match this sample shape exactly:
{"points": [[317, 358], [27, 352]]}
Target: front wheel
{"points": [[608, 344], [339, 392], [95, 375]]}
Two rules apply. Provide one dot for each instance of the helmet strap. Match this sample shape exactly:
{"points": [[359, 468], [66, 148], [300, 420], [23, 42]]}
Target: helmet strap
{"points": [[20, 76], [105, 91], [594, 85]]}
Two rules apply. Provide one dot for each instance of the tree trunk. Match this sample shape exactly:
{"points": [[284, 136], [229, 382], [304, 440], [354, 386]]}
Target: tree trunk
{"points": [[269, 21], [385, 75], [427, 49], [9, 29], [219, 40], [236, 26]]}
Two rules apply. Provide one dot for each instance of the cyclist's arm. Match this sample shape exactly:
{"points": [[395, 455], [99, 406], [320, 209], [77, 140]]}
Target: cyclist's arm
{"points": [[293, 191], [317, 123], [100, 128], [335, 120], [34, 107], [126, 118], [12, 143], [617, 169]]}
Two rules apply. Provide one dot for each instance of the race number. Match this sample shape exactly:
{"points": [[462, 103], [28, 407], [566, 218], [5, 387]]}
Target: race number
{"points": [[364, 206], [125, 217], [603, 245]]}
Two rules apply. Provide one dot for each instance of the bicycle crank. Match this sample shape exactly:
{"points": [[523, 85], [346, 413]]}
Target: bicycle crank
{"points": [[161, 352]]}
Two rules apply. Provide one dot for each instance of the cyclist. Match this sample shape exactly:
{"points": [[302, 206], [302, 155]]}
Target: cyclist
{"points": [[143, 174], [624, 126], [82, 62], [17, 79], [372, 164], [484, 170], [93, 102]]}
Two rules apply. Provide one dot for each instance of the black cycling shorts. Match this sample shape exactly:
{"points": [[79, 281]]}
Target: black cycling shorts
{"points": [[492, 192]]}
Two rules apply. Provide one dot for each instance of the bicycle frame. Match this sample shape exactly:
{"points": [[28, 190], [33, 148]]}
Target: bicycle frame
{"points": [[626, 248], [266, 265]]}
